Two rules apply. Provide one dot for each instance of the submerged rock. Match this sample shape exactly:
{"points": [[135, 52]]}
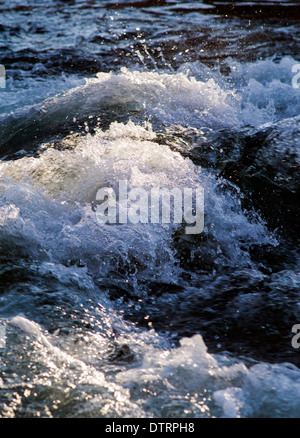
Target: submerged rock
{"points": [[263, 163]]}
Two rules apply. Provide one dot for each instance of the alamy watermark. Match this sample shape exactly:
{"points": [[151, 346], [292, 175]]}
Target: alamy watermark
{"points": [[296, 78], [2, 76], [2, 336], [296, 339], [157, 205]]}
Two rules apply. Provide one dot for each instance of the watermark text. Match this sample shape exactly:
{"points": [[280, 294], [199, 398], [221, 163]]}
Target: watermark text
{"points": [[2, 336], [161, 205], [2, 76], [296, 78]]}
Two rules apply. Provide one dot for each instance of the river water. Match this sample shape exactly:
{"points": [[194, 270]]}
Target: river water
{"points": [[145, 320]]}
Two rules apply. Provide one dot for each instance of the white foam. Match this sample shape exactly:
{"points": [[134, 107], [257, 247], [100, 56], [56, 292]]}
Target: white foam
{"points": [[51, 196], [213, 385], [195, 95], [162, 381], [262, 90]]}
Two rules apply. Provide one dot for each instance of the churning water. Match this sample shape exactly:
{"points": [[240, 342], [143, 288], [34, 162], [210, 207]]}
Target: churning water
{"points": [[143, 320]]}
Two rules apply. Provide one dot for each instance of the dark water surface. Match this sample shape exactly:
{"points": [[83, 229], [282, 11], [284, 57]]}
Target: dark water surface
{"points": [[145, 320]]}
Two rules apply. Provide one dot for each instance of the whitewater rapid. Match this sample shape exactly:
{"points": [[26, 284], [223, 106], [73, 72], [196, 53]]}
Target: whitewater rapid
{"points": [[72, 289]]}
